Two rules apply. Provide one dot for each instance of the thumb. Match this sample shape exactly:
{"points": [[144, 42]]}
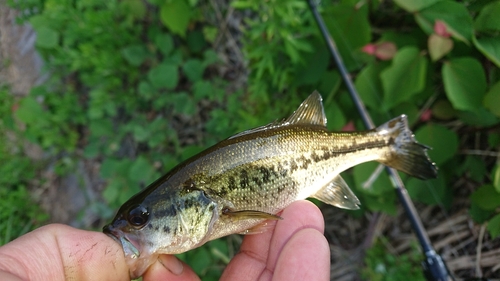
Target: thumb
{"points": [[60, 252]]}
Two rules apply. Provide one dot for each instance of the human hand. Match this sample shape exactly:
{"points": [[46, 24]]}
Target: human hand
{"points": [[295, 249]]}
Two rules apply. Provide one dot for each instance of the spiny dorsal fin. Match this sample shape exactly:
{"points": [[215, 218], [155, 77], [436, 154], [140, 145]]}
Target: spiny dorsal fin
{"points": [[309, 112], [338, 194]]}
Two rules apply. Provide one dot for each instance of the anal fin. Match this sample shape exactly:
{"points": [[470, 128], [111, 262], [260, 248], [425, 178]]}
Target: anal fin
{"points": [[338, 194]]}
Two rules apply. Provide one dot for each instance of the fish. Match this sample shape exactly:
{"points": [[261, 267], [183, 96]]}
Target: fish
{"points": [[242, 182]]}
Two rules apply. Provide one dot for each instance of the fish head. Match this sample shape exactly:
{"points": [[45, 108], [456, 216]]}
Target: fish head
{"points": [[161, 224]]}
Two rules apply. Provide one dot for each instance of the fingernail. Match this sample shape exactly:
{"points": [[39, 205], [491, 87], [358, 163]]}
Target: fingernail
{"points": [[172, 263]]}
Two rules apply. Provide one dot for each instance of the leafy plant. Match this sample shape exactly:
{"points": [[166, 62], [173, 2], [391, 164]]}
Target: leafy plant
{"points": [[381, 265], [18, 214]]}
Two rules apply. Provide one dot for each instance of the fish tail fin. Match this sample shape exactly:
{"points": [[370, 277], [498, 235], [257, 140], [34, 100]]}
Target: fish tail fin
{"points": [[407, 155]]}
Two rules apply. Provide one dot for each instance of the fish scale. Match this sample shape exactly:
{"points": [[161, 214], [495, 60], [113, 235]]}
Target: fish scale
{"points": [[239, 183]]}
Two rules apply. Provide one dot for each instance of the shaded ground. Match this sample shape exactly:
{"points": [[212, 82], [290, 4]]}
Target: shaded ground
{"points": [[465, 246]]}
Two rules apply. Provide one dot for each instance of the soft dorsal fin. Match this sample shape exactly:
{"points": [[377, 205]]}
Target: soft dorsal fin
{"points": [[338, 194], [310, 111]]}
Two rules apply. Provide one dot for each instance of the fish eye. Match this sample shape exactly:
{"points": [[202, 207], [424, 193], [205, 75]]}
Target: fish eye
{"points": [[138, 216]]}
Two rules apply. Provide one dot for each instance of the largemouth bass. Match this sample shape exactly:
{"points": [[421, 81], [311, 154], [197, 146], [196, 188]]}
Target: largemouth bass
{"points": [[241, 182]]}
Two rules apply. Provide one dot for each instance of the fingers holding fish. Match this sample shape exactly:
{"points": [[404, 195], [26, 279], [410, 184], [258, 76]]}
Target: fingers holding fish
{"points": [[168, 267], [272, 253]]}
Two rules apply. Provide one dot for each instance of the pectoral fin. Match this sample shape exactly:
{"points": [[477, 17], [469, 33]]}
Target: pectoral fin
{"points": [[338, 194], [250, 214]]}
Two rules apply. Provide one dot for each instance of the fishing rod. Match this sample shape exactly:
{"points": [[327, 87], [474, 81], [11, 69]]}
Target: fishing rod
{"points": [[434, 267]]}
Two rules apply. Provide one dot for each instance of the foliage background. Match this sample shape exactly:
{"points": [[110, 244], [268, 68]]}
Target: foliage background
{"points": [[137, 86]]}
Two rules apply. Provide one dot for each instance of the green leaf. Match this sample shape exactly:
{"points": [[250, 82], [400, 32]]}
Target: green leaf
{"points": [[414, 5], [164, 43], [478, 118], [478, 214], [196, 41], [492, 99], [489, 47], [30, 111], [486, 197], [454, 14], [350, 28], [464, 83], [433, 135], [176, 15], [164, 76], [488, 19], [369, 86], [405, 77], [141, 171], [193, 69], [183, 103], [494, 226], [135, 54], [316, 64], [439, 46], [46, 37], [431, 192]]}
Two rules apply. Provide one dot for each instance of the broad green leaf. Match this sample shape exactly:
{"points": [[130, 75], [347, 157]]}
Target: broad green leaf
{"points": [[164, 76], [480, 117], [141, 171], [135, 54], [164, 43], [350, 28], [145, 90], [454, 14], [433, 135], [30, 111], [414, 5], [176, 16], [315, 66], [489, 47], [183, 103], [431, 192], [494, 226], [464, 83], [439, 46], [474, 167], [195, 41], [369, 86], [46, 37], [334, 115], [410, 109], [488, 18], [486, 197], [404, 78], [492, 99], [135, 8], [478, 214], [193, 69], [371, 178]]}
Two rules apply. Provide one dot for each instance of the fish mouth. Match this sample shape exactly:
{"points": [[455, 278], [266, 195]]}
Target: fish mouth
{"points": [[129, 248]]}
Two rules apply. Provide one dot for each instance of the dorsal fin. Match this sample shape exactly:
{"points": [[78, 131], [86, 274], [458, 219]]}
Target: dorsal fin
{"points": [[310, 112]]}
